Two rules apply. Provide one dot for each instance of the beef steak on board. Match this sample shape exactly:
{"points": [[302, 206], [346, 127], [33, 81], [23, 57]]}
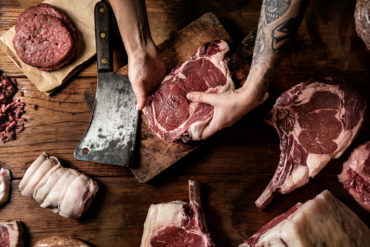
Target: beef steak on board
{"points": [[177, 223], [11, 234], [355, 175], [322, 221], [170, 114], [316, 122]]}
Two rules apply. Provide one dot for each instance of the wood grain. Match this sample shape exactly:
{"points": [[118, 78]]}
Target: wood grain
{"points": [[233, 167]]}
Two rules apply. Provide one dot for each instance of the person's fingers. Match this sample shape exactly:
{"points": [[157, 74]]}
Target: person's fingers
{"points": [[210, 129], [140, 98], [207, 98]]}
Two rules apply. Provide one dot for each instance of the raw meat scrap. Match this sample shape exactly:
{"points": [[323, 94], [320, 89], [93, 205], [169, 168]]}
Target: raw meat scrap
{"points": [[11, 234], [355, 175]]}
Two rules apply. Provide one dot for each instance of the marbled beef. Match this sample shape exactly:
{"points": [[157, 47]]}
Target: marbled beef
{"points": [[316, 121], [355, 175], [177, 223], [170, 114], [11, 234]]}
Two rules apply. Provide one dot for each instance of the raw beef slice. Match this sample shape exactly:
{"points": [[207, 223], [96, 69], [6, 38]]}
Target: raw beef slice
{"points": [[11, 234], [355, 175], [316, 121], [322, 221], [177, 223], [170, 114], [4, 185]]}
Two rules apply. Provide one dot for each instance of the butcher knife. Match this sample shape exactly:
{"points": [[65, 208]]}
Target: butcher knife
{"points": [[111, 135]]}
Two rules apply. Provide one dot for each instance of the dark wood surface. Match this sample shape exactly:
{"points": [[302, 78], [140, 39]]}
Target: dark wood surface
{"points": [[233, 167]]}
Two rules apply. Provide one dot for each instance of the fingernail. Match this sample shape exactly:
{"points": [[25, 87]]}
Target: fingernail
{"points": [[190, 96], [137, 106]]}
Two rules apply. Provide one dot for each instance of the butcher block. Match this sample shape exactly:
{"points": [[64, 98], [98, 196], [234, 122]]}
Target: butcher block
{"points": [[233, 167]]}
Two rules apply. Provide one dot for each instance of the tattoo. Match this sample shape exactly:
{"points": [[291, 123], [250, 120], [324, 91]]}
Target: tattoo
{"points": [[259, 45], [288, 28], [274, 9]]}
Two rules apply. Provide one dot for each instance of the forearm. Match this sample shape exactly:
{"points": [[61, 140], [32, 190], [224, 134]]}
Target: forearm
{"points": [[279, 21], [133, 24]]}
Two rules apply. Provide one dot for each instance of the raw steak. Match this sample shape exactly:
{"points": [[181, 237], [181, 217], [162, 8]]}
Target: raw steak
{"points": [[355, 175], [170, 115], [11, 234], [4, 185], [316, 121], [362, 21], [177, 223], [62, 190], [322, 221]]}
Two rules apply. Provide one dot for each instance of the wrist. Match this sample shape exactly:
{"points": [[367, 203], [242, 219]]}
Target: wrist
{"points": [[141, 49]]}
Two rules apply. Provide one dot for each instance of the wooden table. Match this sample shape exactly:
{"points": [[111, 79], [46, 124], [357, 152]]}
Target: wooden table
{"points": [[234, 166]]}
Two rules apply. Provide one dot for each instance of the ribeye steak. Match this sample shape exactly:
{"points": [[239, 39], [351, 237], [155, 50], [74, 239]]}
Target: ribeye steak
{"points": [[316, 121], [170, 115], [322, 221], [355, 175], [177, 223]]}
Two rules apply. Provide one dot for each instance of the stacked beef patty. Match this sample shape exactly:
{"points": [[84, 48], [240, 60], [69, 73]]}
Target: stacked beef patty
{"points": [[45, 38]]}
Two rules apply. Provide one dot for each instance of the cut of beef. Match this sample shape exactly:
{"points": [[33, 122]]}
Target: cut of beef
{"points": [[316, 121], [177, 223], [4, 185], [362, 21], [355, 175], [11, 234], [170, 115], [322, 221], [62, 190]]}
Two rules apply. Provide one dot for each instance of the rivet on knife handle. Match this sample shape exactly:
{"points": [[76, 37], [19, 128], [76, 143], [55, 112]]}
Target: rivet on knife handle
{"points": [[103, 47]]}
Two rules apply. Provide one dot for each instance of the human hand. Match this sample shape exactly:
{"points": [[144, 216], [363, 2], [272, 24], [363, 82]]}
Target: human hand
{"points": [[229, 107], [146, 70]]}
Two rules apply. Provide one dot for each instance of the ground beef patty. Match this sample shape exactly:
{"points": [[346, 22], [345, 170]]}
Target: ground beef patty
{"points": [[43, 41], [30, 14]]}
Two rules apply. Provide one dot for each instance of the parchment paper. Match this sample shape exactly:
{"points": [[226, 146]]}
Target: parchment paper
{"points": [[81, 13]]}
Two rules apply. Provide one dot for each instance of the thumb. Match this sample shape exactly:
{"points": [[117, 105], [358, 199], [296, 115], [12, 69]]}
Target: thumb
{"points": [[141, 101], [207, 98]]}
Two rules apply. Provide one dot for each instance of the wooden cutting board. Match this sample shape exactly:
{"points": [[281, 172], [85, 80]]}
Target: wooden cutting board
{"points": [[155, 155]]}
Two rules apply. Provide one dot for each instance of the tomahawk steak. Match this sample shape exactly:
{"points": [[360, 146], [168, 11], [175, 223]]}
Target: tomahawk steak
{"points": [[4, 185], [316, 121], [177, 223], [322, 221], [11, 234], [170, 114], [355, 175]]}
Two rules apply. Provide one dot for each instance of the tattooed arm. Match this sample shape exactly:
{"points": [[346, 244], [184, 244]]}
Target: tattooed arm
{"points": [[279, 21]]}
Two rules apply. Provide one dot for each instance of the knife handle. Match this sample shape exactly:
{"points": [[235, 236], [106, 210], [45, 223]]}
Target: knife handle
{"points": [[104, 56]]}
